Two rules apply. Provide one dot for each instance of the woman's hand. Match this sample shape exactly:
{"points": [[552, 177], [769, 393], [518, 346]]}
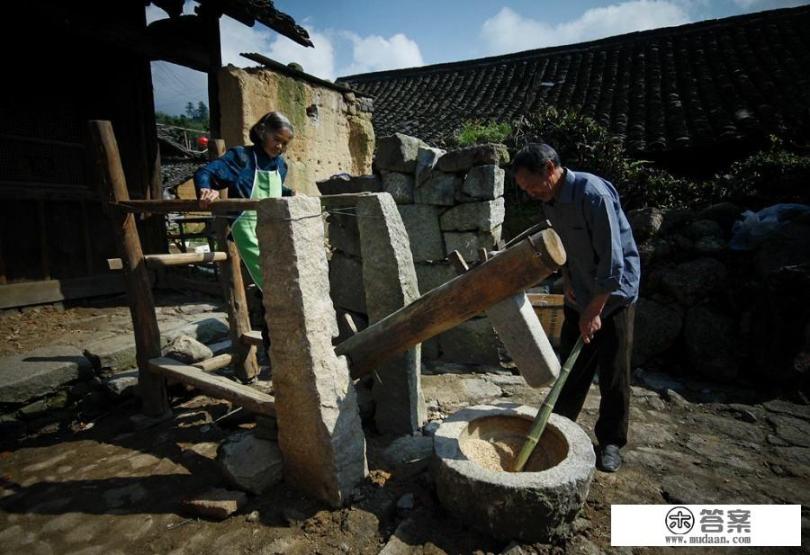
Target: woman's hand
{"points": [[207, 196]]}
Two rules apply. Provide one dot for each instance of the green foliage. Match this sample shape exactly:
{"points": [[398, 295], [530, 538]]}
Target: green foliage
{"points": [[584, 144], [183, 121], [476, 132], [767, 177]]}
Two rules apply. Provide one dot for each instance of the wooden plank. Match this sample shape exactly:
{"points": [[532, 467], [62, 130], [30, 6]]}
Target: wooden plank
{"points": [[157, 261], [233, 290], [214, 363], [252, 337], [152, 388], [55, 290], [450, 304], [216, 386]]}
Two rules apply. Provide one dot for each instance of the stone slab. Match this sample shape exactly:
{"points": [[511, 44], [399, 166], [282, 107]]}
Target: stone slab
{"points": [[343, 234], [426, 159], [397, 153], [320, 433], [439, 189], [518, 327], [477, 216], [399, 185], [433, 275], [477, 155], [344, 183], [390, 282], [471, 342], [468, 243], [422, 224], [40, 372], [346, 283], [482, 183]]}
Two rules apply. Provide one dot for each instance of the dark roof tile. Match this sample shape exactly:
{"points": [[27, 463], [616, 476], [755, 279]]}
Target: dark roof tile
{"points": [[687, 86]]}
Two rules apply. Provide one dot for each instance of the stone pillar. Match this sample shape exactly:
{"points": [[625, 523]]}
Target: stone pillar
{"points": [[319, 429], [389, 278]]}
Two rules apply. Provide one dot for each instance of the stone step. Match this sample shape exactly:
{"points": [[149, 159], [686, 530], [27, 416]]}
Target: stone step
{"points": [[40, 372], [118, 353]]}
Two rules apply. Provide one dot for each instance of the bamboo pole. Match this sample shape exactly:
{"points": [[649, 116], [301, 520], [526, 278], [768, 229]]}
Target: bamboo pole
{"points": [[540, 421]]}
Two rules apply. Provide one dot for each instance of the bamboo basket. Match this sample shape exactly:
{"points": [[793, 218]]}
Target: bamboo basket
{"points": [[549, 309]]}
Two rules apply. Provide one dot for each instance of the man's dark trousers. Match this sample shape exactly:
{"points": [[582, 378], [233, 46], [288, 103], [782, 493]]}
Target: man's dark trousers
{"points": [[610, 351]]}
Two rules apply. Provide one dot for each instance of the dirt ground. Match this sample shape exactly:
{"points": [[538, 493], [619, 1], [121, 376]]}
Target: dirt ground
{"points": [[112, 488]]}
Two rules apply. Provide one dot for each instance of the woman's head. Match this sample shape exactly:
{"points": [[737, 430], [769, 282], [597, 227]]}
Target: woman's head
{"points": [[272, 132]]}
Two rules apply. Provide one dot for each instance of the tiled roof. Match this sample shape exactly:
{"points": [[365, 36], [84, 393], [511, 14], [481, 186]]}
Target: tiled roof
{"points": [[247, 12], [688, 86]]}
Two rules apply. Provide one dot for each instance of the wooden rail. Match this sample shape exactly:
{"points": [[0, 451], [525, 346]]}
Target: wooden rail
{"points": [[156, 261], [223, 206], [156, 206]]}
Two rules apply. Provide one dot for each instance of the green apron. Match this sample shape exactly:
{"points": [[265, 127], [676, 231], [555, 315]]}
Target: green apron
{"points": [[266, 184]]}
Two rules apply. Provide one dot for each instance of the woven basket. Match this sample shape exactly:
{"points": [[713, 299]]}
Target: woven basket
{"points": [[549, 309]]}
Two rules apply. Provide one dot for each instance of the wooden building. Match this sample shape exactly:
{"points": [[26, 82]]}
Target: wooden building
{"points": [[67, 62]]}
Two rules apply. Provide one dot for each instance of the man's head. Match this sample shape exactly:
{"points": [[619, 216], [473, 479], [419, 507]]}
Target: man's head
{"points": [[537, 171]]}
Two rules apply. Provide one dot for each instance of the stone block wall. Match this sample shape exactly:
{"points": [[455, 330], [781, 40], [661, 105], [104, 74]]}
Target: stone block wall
{"points": [[333, 132], [448, 201]]}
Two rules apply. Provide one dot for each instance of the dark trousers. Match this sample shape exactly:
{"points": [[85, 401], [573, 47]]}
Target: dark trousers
{"points": [[610, 351]]}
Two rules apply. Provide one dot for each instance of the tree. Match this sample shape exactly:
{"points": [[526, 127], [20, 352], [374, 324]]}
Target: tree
{"points": [[190, 111], [202, 112]]}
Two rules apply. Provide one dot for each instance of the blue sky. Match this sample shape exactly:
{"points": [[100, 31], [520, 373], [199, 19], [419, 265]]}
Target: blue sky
{"points": [[357, 36]]}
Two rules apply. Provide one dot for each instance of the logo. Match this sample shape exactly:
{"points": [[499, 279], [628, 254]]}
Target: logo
{"points": [[679, 520]]}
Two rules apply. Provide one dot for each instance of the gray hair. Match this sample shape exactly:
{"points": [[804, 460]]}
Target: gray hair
{"points": [[534, 157], [270, 122]]}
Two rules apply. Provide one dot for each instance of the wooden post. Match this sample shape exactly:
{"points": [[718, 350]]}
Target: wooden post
{"points": [[233, 289], [458, 300], [152, 388]]}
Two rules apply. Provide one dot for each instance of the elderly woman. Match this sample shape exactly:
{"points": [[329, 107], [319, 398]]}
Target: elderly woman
{"points": [[257, 171], [250, 172]]}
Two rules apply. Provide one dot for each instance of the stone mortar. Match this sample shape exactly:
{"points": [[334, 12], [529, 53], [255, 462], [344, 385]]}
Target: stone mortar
{"points": [[538, 505]]}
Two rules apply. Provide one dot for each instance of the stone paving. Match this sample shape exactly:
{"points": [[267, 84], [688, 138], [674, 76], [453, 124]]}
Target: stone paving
{"points": [[112, 489]]}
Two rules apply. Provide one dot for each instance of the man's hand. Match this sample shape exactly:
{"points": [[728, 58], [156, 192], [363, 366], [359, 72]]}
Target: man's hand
{"points": [[207, 196], [590, 321], [589, 325]]}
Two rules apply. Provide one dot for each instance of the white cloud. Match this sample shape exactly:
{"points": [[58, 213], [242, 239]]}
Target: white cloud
{"points": [[174, 85], [758, 5], [509, 31], [238, 38], [376, 53]]}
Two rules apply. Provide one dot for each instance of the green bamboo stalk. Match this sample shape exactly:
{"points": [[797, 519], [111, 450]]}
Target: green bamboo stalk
{"points": [[544, 413]]}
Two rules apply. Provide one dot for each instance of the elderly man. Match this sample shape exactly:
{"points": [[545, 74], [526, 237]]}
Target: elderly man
{"points": [[601, 280]]}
